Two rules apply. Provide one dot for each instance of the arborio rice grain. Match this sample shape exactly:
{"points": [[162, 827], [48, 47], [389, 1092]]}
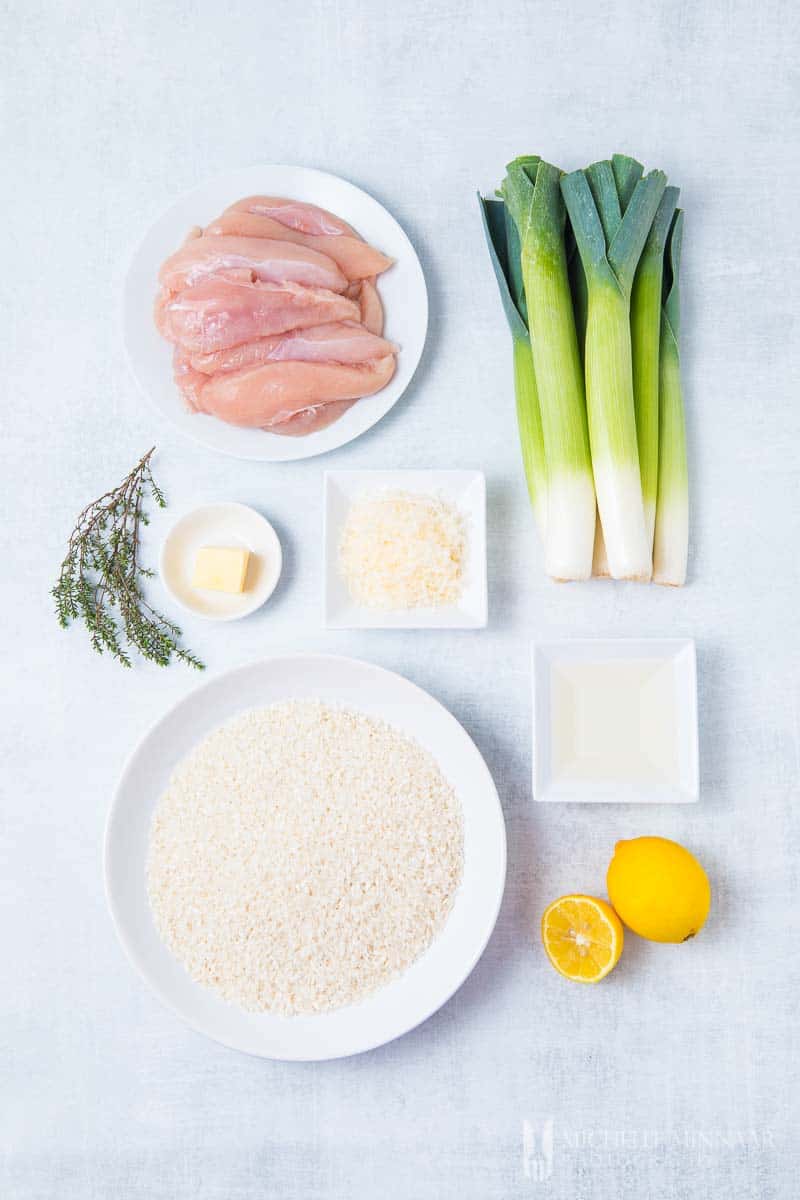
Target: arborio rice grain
{"points": [[302, 856]]}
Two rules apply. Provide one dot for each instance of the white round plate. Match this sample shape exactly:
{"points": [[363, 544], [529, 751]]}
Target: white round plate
{"points": [[402, 290], [225, 524], [432, 979]]}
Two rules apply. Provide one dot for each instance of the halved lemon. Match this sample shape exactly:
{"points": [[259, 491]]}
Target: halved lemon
{"points": [[582, 937]]}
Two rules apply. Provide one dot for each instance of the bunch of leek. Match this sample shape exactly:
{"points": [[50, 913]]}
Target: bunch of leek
{"points": [[593, 313]]}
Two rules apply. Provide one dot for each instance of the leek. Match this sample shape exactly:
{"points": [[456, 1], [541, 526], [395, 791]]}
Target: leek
{"points": [[645, 341], [611, 201], [627, 173], [532, 194], [671, 544], [501, 238], [600, 567], [580, 292], [580, 304], [610, 245], [645, 326]]}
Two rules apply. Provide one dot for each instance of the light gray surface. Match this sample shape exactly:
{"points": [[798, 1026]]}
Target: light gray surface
{"points": [[676, 1077]]}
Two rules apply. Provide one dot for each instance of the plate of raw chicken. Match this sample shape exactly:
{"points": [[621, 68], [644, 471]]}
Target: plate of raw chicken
{"points": [[275, 313]]}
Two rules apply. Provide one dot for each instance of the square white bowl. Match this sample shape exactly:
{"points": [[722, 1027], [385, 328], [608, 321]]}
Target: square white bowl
{"points": [[637, 744], [466, 490]]}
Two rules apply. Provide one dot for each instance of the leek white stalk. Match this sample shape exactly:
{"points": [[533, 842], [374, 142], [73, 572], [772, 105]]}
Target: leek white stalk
{"points": [[600, 567], [645, 343], [503, 243], [532, 193], [610, 256], [671, 543]]}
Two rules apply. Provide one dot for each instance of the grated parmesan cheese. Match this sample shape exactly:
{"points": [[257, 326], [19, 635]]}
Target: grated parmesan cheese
{"points": [[302, 856], [402, 550]]}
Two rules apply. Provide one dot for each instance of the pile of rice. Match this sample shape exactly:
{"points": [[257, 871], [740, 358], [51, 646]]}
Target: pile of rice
{"points": [[302, 856]]}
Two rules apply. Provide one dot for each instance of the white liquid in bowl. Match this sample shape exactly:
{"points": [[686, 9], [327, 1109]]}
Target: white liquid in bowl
{"points": [[615, 721]]}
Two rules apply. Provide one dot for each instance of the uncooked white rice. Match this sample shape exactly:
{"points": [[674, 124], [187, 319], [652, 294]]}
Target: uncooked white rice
{"points": [[302, 856]]}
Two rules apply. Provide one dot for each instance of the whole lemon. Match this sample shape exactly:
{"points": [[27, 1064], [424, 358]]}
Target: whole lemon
{"points": [[658, 889]]}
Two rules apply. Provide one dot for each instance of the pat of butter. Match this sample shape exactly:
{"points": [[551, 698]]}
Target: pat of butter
{"points": [[221, 568]]}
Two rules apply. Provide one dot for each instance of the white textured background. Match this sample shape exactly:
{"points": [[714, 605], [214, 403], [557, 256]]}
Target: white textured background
{"points": [[677, 1077]]}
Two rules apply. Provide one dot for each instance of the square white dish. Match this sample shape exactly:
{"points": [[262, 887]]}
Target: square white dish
{"points": [[466, 490], [615, 721]]}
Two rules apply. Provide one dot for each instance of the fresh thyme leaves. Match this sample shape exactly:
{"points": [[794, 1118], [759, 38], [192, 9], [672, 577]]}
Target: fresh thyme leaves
{"points": [[99, 582]]}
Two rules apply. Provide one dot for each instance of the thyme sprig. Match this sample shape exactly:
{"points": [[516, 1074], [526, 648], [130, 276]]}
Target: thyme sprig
{"points": [[100, 578]]}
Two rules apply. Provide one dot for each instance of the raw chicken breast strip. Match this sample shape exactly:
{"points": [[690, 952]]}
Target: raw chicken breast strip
{"points": [[304, 421], [311, 420], [369, 303], [354, 257], [188, 380], [338, 341], [268, 259], [264, 396], [306, 218], [371, 308], [219, 313]]}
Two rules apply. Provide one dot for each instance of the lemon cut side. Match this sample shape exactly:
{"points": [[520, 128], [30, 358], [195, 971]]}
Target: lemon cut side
{"points": [[582, 937]]}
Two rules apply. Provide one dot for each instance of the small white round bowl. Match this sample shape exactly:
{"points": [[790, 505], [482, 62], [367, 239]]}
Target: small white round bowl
{"points": [[225, 524]]}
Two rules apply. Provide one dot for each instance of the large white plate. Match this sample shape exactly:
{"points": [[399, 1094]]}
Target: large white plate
{"points": [[432, 979], [402, 290]]}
